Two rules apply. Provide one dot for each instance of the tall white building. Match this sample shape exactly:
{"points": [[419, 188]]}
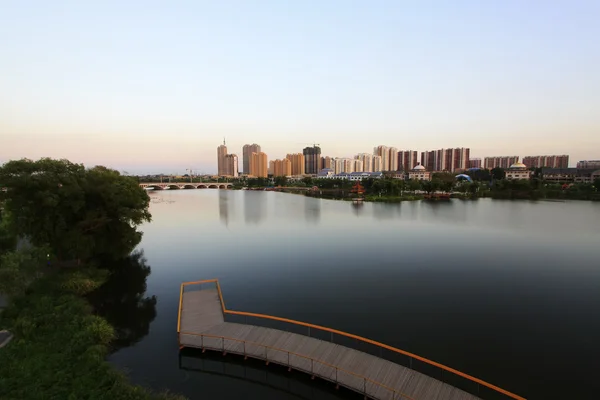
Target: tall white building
{"points": [[377, 164], [348, 165], [358, 166], [393, 157], [384, 153], [367, 161]]}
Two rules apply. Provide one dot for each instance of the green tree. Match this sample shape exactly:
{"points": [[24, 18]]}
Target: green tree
{"points": [[79, 213], [280, 181], [597, 184], [498, 173]]}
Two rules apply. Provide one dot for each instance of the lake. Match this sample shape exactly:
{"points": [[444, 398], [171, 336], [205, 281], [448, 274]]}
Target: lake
{"points": [[507, 291]]}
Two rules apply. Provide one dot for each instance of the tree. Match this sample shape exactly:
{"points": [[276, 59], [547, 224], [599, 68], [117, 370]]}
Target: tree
{"points": [[597, 184], [498, 173], [280, 181], [79, 213]]}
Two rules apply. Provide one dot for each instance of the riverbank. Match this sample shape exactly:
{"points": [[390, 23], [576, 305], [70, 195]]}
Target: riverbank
{"points": [[59, 347]]}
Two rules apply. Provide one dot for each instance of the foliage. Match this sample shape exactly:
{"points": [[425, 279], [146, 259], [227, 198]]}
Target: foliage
{"points": [[280, 181], [597, 184], [8, 240], [20, 268], [78, 212], [481, 175], [59, 347], [498, 173]]}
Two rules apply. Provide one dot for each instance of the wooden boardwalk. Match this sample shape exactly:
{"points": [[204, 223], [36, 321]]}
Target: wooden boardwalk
{"points": [[202, 325]]}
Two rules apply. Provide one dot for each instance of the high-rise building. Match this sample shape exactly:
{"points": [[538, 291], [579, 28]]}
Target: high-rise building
{"points": [[393, 157], [259, 165], [247, 151], [588, 164], [367, 161], [358, 166], [384, 153], [312, 159], [377, 164], [475, 163], [561, 161], [221, 153], [450, 160], [281, 167], [407, 160], [348, 165], [271, 170], [231, 165], [327, 162], [298, 163], [499, 162]]}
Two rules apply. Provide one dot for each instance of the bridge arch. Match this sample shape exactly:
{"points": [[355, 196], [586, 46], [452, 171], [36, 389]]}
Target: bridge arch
{"points": [[202, 186], [213, 186]]}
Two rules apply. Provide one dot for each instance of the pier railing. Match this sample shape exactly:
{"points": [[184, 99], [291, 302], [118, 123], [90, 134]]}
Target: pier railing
{"points": [[413, 361]]}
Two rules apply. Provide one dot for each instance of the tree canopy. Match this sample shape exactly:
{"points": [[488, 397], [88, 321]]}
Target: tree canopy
{"points": [[79, 213]]}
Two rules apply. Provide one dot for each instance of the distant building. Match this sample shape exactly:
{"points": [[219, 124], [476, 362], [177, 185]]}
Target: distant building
{"points": [[500, 162], [367, 161], [570, 175], [281, 167], [407, 160], [591, 164], [377, 164], [312, 159], [357, 166], [393, 157], [259, 165], [475, 163], [231, 165], [326, 173], [450, 160], [384, 153], [327, 162], [518, 171], [357, 176], [547, 161], [419, 173], [221, 153], [247, 151], [298, 163]]}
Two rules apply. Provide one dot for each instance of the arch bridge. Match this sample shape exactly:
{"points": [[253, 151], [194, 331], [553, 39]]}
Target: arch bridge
{"points": [[186, 185]]}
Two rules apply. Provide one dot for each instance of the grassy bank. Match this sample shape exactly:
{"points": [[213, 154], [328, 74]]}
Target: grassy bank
{"points": [[59, 349]]}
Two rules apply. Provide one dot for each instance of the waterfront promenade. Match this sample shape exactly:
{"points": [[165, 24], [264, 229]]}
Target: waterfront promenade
{"points": [[202, 324]]}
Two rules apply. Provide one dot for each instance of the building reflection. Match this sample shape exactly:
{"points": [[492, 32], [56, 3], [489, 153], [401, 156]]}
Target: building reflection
{"points": [[225, 204], [255, 203], [312, 210]]}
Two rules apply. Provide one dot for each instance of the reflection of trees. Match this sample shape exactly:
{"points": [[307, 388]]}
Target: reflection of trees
{"points": [[122, 303], [358, 207]]}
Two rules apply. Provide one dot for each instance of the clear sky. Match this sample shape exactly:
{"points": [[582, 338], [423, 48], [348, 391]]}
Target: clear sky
{"points": [[153, 86]]}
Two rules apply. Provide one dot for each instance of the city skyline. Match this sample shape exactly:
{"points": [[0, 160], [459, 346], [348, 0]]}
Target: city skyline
{"points": [[501, 79]]}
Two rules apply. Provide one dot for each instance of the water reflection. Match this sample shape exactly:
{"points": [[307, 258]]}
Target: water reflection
{"points": [[358, 208], [312, 210], [283, 382], [122, 303], [255, 204], [225, 206]]}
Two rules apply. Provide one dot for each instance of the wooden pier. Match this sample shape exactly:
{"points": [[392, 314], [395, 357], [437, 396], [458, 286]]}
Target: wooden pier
{"points": [[202, 324]]}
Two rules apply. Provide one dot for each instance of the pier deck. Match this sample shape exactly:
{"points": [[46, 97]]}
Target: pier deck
{"points": [[202, 325]]}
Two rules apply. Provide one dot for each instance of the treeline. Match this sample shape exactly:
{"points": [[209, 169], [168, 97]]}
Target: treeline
{"points": [[79, 226]]}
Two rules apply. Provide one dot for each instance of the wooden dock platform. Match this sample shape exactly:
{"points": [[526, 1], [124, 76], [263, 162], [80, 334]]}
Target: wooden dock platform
{"points": [[202, 325]]}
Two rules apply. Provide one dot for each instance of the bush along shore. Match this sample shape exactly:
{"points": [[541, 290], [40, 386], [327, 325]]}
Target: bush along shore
{"points": [[72, 217]]}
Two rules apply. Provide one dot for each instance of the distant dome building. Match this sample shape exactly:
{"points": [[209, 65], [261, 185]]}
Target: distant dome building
{"points": [[518, 171], [419, 173]]}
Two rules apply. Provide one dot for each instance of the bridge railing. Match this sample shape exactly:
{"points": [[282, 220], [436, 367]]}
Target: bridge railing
{"points": [[300, 362], [413, 361]]}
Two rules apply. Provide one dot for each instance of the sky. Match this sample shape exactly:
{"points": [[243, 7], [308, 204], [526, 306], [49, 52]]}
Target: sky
{"points": [[155, 86]]}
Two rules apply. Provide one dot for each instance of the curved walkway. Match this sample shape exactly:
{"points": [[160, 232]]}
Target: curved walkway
{"points": [[202, 325]]}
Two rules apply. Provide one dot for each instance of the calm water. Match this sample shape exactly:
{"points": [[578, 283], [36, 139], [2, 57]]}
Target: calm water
{"points": [[506, 291]]}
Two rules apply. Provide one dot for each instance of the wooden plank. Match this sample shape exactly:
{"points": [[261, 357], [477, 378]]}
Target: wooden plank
{"points": [[202, 314]]}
